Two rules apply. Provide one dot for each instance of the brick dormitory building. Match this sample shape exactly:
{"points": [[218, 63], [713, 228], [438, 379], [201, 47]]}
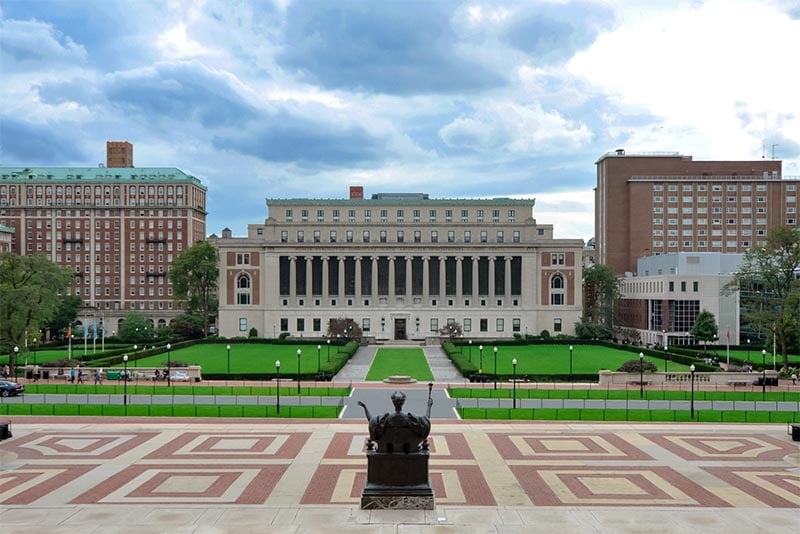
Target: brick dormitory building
{"points": [[117, 227], [402, 266]]}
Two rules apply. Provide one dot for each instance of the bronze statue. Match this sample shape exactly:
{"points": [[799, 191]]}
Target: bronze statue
{"points": [[379, 425]]}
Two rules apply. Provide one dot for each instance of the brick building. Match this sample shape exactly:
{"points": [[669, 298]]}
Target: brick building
{"points": [[402, 266], [118, 229], [653, 204]]}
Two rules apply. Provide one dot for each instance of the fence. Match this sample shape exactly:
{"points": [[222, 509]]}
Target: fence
{"points": [[588, 414], [173, 410]]}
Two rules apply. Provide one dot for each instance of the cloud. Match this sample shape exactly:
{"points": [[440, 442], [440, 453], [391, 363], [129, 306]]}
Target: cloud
{"points": [[32, 44], [24, 143], [515, 129], [398, 48]]}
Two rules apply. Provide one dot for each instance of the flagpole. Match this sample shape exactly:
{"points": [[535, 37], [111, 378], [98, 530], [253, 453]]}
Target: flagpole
{"points": [[728, 349], [69, 341], [103, 332], [85, 335]]}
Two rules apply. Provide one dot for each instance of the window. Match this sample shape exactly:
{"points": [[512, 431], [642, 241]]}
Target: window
{"points": [[284, 236], [415, 215], [335, 215], [383, 236], [400, 236], [434, 236], [484, 236], [284, 324], [300, 236], [365, 325], [243, 289], [695, 286], [515, 236], [557, 290], [467, 325], [557, 258], [500, 236], [317, 236], [464, 215], [511, 215], [434, 325], [242, 324], [417, 236], [480, 215], [333, 236], [365, 236], [400, 215], [320, 215], [451, 236], [243, 258], [304, 214], [671, 287], [432, 215], [351, 215], [467, 236], [515, 325], [499, 324], [301, 324], [349, 236], [556, 325], [484, 325], [288, 215], [495, 215]]}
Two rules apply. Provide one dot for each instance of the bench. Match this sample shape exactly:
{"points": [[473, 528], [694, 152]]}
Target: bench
{"points": [[739, 382]]}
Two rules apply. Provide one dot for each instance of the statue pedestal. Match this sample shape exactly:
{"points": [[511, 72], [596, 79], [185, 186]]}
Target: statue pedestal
{"points": [[397, 481]]}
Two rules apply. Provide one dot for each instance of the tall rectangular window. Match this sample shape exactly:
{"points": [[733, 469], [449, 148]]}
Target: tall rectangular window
{"points": [[434, 325], [243, 324]]}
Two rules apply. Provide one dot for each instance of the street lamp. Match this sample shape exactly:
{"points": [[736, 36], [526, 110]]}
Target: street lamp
{"points": [[125, 381], [641, 375], [666, 357], [763, 374], [329, 350], [480, 367], [229, 360], [135, 348], [169, 348], [34, 351], [495, 368], [14, 367], [470, 351], [278, 378], [514, 381], [748, 350], [691, 369], [299, 352], [570, 363], [319, 348]]}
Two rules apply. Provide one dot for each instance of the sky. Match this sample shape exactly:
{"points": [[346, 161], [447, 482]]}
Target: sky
{"points": [[302, 99]]}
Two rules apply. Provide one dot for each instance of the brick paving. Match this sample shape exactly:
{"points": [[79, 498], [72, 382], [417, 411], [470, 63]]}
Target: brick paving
{"points": [[232, 475]]}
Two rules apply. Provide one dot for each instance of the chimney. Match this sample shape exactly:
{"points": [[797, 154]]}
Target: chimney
{"points": [[356, 192], [119, 154]]}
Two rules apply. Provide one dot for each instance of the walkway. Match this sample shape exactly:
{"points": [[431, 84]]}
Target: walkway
{"points": [[87, 475]]}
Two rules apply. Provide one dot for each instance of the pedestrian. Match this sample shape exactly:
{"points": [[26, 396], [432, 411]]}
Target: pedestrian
{"points": [[794, 379], [98, 376], [72, 375], [80, 375], [6, 371]]}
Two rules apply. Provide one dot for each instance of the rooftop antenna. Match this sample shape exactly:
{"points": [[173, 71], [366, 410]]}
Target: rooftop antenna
{"points": [[763, 150], [773, 149]]}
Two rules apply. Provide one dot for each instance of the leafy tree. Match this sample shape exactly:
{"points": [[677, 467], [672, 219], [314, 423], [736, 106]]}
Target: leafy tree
{"points": [[345, 329], [65, 315], [136, 329], [770, 289], [187, 326], [452, 330], [29, 289], [194, 276], [600, 293], [705, 327], [586, 329]]}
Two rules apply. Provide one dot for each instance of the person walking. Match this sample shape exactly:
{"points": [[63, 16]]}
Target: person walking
{"points": [[72, 375], [80, 375], [98, 376]]}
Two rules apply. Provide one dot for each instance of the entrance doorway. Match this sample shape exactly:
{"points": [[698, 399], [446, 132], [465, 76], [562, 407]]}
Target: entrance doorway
{"points": [[400, 329]]}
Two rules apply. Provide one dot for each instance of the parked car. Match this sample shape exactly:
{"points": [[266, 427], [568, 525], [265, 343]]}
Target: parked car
{"points": [[179, 376], [10, 388]]}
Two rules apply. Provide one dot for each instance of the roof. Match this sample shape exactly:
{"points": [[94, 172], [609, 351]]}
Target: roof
{"points": [[96, 174], [402, 200]]}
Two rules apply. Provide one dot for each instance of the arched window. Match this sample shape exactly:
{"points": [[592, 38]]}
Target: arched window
{"points": [[243, 289], [557, 290], [557, 282]]}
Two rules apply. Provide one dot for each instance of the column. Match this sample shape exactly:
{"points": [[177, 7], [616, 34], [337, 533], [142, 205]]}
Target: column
{"points": [[391, 280], [408, 280], [475, 277], [459, 279], [325, 275], [442, 277], [375, 278], [292, 276], [358, 279], [426, 274], [309, 278], [491, 280], [508, 280], [341, 276]]}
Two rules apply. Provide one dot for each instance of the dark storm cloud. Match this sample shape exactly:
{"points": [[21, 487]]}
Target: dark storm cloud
{"points": [[182, 91], [399, 48], [285, 138], [552, 33], [24, 143]]}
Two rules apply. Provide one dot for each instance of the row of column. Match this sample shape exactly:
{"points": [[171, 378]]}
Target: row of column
{"points": [[459, 271]]}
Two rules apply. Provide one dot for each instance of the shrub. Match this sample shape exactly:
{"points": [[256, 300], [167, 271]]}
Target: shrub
{"points": [[253, 332], [633, 366]]}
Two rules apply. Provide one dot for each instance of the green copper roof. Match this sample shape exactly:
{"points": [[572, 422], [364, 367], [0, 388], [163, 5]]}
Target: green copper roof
{"points": [[6, 229], [95, 174]]}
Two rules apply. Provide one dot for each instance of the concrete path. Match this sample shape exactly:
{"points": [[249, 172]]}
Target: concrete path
{"points": [[443, 369], [203, 476], [356, 369]]}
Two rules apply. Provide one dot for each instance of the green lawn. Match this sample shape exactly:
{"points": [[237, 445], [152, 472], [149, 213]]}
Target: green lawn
{"points": [[134, 388], [171, 410], [402, 362], [755, 357], [577, 414], [245, 358], [555, 360], [621, 394]]}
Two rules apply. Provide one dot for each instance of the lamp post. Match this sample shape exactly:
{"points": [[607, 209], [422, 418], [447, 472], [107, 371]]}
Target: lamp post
{"points": [[495, 368], [763, 374], [329, 350], [14, 368], [480, 367], [470, 351], [666, 357], [125, 381], [278, 378], [514, 381], [691, 369], [641, 375], [34, 351], [228, 347], [748, 350], [319, 366], [299, 352], [570, 362], [135, 348], [169, 348]]}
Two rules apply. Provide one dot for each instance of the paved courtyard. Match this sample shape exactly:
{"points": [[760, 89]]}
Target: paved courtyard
{"points": [[238, 475]]}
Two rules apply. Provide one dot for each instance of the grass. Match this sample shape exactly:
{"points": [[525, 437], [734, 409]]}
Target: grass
{"points": [[755, 357], [159, 410], [404, 362], [578, 414], [555, 359], [140, 389], [622, 394]]}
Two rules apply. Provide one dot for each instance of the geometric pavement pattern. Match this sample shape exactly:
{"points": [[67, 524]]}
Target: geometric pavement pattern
{"points": [[471, 465]]}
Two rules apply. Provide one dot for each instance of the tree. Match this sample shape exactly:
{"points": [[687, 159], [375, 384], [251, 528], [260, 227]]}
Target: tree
{"points": [[65, 315], [29, 295], [345, 329], [187, 326], [194, 276], [585, 329], [705, 327], [769, 288], [452, 330], [135, 328], [600, 293]]}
